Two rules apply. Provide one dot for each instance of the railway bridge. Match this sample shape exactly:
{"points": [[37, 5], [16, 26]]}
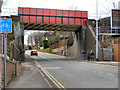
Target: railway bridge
{"points": [[51, 20]]}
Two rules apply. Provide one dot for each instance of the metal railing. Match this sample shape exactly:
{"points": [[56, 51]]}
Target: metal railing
{"points": [[15, 53], [106, 30]]}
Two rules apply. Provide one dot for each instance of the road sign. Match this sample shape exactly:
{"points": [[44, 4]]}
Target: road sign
{"points": [[5, 25], [115, 21]]}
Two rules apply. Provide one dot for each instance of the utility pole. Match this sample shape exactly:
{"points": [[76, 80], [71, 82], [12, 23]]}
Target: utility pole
{"points": [[1, 1], [97, 30], [5, 48], [65, 43], [38, 43]]}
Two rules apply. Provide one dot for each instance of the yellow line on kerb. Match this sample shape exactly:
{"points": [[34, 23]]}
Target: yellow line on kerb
{"points": [[50, 76]]}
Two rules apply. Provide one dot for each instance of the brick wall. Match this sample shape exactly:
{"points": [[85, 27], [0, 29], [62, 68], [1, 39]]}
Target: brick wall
{"points": [[0, 72], [12, 70], [58, 49], [59, 44], [116, 50]]}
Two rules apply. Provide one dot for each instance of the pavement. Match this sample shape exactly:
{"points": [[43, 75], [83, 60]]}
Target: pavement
{"points": [[112, 63], [78, 74], [30, 77], [108, 63]]}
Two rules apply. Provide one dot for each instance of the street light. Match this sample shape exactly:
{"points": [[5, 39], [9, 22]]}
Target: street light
{"points": [[97, 30]]}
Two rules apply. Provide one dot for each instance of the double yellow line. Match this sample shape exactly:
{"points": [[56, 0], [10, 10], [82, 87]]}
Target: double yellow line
{"points": [[58, 84]]}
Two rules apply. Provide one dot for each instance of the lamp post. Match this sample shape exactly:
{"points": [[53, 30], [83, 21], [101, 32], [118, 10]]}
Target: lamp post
{"points": [[97, 30]]}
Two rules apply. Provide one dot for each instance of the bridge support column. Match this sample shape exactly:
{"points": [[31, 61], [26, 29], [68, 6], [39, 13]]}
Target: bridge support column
{"points": [[80, 42], [19, 36], [78, 45]]}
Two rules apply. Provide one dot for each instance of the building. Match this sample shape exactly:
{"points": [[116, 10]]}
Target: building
{"points": [[119, 5], [116, 50]]}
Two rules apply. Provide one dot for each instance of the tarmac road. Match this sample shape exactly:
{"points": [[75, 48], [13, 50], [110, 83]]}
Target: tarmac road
{"points": [[78, 74]]}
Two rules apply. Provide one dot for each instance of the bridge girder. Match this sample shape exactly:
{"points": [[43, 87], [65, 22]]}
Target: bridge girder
{"points": [[50, 27]]}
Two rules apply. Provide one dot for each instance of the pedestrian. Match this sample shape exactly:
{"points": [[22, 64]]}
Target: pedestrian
{"points": [[88, 55], [84, 54], [92, 56]]}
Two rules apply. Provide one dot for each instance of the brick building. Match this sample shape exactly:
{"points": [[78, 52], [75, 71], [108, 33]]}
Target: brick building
{"points": [[116, 49]]}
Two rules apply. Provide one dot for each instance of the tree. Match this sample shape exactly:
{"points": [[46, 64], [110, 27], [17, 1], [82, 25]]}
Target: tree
{"points": [[45, 44], [37, 36], [34, 38], [30, 39], [106, 7]]}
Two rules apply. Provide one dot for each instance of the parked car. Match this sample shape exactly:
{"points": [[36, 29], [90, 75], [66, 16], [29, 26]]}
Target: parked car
{"points": [[34, 52]]}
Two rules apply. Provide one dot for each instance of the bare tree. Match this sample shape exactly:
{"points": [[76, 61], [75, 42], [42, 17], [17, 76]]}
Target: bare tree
{"points": [[30, 39], [107, 6], [37, 37]]}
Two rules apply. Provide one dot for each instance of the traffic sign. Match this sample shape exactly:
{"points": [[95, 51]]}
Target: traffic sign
{"points": [[5, 25]]}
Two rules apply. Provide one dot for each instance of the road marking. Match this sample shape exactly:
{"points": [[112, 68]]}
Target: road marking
{"points": [[46, 74], [45, 79], [52, 67], [110, 74], [102, 64], [101, 72], [106, 73], [60, 86]]}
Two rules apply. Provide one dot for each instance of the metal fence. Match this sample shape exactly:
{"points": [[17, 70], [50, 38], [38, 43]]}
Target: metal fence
{"points": [[15, 53], [108, 53]]}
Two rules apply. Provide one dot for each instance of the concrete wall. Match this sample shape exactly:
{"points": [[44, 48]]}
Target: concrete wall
{"points": [[19, 35], [90, 41], [84, 39], [119, 5], [90, 44], [78, 45]]}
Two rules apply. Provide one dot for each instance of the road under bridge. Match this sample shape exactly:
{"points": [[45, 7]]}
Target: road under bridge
{"points": [[51, 20]]}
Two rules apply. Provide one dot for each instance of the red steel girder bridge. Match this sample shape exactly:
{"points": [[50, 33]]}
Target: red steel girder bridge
{"points": [[52, 19]]}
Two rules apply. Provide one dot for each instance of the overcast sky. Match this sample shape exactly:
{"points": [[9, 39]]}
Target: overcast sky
{"points": [[104, 6], [87, 5]]}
